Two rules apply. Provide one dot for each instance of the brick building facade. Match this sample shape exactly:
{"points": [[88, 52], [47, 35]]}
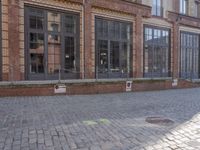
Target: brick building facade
{"points": [[100, 43]]}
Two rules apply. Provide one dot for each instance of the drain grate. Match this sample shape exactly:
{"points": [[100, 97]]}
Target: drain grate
{"points": [[159, 121]]}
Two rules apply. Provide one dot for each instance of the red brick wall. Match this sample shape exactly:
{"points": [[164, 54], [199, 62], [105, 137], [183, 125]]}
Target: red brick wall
{"points": [[13, 40], [137, 13], [26, 91], [92, 88]]}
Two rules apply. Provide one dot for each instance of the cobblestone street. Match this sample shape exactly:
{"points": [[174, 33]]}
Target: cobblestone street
{"points": [[102, 122]]}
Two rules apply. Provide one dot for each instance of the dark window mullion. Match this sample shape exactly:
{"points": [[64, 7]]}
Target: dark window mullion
{"points": [[120, 47]]}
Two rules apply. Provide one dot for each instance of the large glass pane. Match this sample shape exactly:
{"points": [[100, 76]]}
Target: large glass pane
{"points": [[102, 28], [148, 35], [156, 8], [70, 55], [36, 53], [149, 59], [189, 55], [70, 24], [183, 6], [36, 19], [113, 49], [54, 50], [114, 30], [156, 52], [54, 21], [36, 22], [157, 58], [125, 31], [45, 53], [114, 57], [125, 55], [102, 56]]}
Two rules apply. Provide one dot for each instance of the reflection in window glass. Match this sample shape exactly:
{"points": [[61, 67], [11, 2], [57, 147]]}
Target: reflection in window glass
{"points": [[54, 22], [36, 22], [36, 53], [70, 63], [125, 57], [102, 28], [70, 24], [156, 52], [114, 30], [114, 56], [113, 49], [183, 6], [54, 49], [103, 56], [45, 55], [157, 8]]}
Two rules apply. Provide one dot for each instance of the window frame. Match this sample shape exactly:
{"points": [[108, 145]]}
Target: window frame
{"points": [[197, 7], [157, 8], [46, 32], [110, 39], [150, 74], [184, 7], [190, 76]]}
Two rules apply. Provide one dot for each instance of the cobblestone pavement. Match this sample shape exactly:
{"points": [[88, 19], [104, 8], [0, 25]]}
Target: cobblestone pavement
{"points": [[102, 122]]}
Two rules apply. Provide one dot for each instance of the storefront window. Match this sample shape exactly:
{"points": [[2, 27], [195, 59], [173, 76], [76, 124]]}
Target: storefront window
{"points": [[52, 45], [156, 52], [113, 48], [189, 55]]}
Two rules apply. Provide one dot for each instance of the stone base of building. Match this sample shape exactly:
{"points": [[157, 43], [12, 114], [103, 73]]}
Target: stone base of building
{"points": [[89, 87]]}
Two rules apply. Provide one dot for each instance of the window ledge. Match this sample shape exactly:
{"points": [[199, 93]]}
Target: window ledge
{"points": [[4, 83]]}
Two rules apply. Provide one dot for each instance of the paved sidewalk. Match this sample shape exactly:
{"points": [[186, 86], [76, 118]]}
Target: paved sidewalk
{"points": [[102, 122]]}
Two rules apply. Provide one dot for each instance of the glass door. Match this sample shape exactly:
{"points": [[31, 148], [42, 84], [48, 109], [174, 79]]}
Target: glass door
{"points": [[113, 48]]}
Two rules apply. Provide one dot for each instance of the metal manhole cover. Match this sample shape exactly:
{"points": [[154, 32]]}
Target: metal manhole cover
{"points": [[159, 121]]}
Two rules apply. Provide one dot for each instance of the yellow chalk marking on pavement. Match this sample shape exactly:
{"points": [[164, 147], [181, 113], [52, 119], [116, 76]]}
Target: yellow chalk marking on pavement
{"points": [[104, 121], [99, 121], [90, 122]]}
